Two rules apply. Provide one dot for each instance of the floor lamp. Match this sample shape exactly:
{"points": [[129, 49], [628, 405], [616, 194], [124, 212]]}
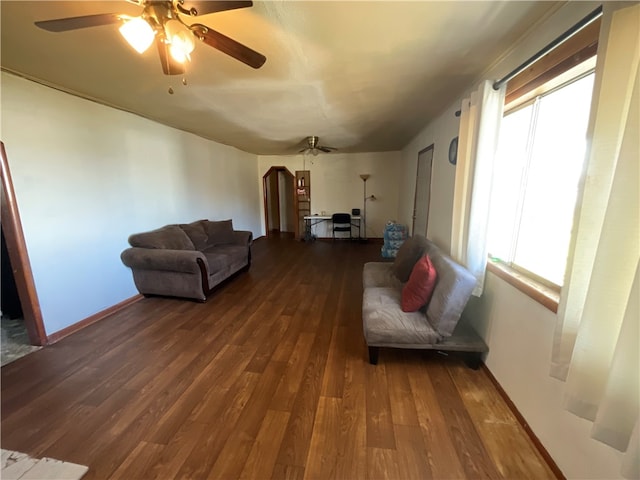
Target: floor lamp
{"points": [[365, 177]]}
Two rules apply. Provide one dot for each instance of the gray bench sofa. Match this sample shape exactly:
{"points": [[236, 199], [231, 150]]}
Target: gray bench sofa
{"points": [[187, 260], [437, 325]]}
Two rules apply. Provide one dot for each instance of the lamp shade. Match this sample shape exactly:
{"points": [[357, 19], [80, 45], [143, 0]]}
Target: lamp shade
{"points": [[138, 33]]}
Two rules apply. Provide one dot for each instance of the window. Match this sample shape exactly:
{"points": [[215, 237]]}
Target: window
{"points": [[539, 161]]}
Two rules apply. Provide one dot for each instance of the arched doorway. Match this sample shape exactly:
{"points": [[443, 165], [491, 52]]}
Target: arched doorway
{"points": [[278, 186]]}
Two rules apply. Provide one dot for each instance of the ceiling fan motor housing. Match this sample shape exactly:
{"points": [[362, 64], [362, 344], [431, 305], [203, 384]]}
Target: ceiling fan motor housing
{"points": [[313, 141]]}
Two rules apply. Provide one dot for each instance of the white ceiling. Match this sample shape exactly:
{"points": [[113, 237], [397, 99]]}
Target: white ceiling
{"points": [[363, 76]]}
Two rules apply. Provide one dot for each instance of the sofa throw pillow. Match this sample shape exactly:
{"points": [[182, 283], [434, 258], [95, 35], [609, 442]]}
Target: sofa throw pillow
{"points": [[219, 232], [171, 237], [408, 254], [418, 290], [195, 231]]}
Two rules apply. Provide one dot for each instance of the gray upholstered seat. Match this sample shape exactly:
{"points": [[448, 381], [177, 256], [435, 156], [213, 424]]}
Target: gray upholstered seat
{"points": [[435, 326]]}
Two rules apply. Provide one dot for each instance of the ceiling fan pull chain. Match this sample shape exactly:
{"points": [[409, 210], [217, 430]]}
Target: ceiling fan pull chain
{"points": [[170, 91]]}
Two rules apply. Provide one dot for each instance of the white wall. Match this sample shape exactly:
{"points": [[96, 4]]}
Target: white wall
{"points": [[87, 176], [336, 185], [518, 330]]}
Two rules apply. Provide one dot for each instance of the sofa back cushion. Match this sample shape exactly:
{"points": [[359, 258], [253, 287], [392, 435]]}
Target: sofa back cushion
{"points": [[453, 289], [170, 236], [218, 232], [196, 233], [408, 254]]}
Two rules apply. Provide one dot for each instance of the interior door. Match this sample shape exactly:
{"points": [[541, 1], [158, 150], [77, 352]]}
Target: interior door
{"points": [[423, 192], [273, 202]]}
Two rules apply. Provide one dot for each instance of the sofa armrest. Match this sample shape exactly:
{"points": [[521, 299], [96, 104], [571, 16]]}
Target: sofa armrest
{"points": [[242, 237], [163, 259]]}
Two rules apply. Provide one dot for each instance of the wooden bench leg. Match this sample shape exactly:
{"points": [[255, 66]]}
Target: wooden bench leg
{"points": [[373, 355]]}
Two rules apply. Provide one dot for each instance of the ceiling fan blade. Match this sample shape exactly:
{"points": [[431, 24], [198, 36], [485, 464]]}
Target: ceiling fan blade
{"points": [[169, 65], [74, 23], [326, 149], [229, 46], [206, 7]]}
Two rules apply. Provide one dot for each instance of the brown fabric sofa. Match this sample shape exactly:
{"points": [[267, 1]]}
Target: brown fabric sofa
{"points": [[187, 260]]}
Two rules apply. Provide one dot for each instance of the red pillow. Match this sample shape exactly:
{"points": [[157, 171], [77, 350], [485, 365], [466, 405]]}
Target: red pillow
{"points": [[418, 290]]}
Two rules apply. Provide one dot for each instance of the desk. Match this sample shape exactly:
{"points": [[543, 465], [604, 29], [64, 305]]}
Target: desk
{"points": [[311, 220]]}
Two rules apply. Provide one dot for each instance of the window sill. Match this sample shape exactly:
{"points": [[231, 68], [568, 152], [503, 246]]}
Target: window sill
{"points": [[540, 293]]}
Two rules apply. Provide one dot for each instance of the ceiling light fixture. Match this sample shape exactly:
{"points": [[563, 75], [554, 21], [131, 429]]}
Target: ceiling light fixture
{"points": [[180, 40], [138, 33], [160, 22], [314, 148]]}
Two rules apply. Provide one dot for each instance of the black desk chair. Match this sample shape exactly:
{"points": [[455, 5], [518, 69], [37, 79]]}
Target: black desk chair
{"points": [[341, 223]]}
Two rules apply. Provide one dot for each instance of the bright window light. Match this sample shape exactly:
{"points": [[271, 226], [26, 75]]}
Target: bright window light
{"points": [[539, 162]]}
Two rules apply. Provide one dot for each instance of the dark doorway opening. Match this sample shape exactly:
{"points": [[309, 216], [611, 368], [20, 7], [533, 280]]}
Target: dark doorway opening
{"points": [[279, 209]]}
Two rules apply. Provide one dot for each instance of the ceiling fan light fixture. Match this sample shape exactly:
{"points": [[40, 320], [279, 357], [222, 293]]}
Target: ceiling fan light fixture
{"points": [[180, 40], [179, 54], [314, 149], [138, 33]]}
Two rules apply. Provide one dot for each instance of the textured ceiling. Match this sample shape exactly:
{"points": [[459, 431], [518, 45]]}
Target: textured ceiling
{"points": [[363, 76]]}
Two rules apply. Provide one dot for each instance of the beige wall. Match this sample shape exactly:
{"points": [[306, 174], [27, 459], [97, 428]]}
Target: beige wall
{"points": [[518, 330], [438, 133], [336, 185], [87, 176]]}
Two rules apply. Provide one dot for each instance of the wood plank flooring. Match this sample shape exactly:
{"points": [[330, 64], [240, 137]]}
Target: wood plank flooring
{"points": [[268, 379]]}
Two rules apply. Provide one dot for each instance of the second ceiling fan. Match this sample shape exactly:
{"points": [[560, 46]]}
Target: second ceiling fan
{"points": [[161, 22], [313, 147]]}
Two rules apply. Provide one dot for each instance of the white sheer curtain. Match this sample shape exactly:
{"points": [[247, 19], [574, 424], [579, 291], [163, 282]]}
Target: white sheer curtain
{"points": [[479, 126], [597, 341]]}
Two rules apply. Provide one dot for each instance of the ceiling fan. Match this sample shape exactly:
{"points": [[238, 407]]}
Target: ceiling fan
{"points": [[162, 21], [313, 147]]}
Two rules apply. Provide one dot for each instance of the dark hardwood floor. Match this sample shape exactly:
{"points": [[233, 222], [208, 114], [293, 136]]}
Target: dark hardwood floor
{"points": [[268, 379]]}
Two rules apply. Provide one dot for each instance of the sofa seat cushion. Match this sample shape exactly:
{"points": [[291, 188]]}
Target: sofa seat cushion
{"points": [[170, 237], [234, 253], [228, 257], [379, 274], [217, 261], [385, 324]]}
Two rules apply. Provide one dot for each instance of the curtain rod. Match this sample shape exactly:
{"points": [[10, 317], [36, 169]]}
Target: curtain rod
{"points": [[569, 33]]}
